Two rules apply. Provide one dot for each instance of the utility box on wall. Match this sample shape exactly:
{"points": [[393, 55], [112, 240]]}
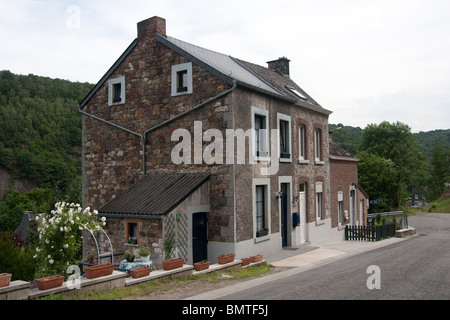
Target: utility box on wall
{"points": [[296, 219]]}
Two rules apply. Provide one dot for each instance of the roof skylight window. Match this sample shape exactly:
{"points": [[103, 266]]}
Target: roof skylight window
{"points": [[297, 93]]}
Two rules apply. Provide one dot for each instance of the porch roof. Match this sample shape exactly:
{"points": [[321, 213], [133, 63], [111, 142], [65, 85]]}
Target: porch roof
{"points": [[155, 195]]}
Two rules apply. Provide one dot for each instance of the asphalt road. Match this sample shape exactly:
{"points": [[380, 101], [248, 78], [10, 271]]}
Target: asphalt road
{"points": [[418, 268]]}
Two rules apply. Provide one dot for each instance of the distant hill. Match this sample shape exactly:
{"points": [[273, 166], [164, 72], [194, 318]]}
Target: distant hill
{"points": [[349, 138], [40, 131]]}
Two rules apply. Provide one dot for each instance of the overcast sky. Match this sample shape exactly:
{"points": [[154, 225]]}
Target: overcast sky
{"points": [[367, 61]]}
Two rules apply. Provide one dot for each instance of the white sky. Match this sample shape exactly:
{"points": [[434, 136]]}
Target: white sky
{"points": [[367, 61]]}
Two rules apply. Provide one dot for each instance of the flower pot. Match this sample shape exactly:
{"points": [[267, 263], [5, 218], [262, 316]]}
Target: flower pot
{"points": [[99, 270], [173, 263], [245, 261], [199, 266], [256, 258], [50, 282], [140, 272], [145, 258], [5, 279], [225, 258], [130, 259]]}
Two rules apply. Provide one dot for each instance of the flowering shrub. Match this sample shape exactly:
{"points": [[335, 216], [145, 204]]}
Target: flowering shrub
{"points": [[60, 236]]}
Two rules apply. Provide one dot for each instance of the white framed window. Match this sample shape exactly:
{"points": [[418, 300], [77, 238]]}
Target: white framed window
{"points": [[319, 201], [318, 146], [302, 144], [260, 126], [285, 137], [182, 79], [341, 216], [261, 208], [116, 91]]}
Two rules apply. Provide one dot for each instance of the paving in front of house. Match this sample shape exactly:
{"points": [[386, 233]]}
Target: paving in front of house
{"points": [[300, 259]]}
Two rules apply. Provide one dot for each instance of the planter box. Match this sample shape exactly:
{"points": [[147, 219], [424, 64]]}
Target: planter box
{"points": [[50, 282], [101, 270], [256, 258], [173, 263], [140, 272], [245, 261], [199, 266], [225, 258], [5, 279]]}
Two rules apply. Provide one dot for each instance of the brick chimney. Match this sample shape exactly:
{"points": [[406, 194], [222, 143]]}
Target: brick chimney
{"points": [[280, 65], [147, 29]]}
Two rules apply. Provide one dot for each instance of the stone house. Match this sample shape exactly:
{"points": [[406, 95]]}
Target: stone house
{"points": [[211, 154]]}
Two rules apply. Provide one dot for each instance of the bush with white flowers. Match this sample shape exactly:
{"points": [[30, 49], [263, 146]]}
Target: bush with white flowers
{"points": [[60, 236]]}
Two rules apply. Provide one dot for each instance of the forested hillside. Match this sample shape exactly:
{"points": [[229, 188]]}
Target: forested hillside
{"points": [[40, 131], [350, 138]]}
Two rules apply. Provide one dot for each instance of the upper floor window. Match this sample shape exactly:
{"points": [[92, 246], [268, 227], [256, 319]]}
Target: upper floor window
{"points": [[302, 143], [284, 132], [318, 145], [260, 126], [116, 91], [182, 79]]}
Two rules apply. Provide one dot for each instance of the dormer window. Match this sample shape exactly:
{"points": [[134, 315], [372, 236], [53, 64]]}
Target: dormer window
{"points": [[297, 93], [116, 91], [182, 79]]}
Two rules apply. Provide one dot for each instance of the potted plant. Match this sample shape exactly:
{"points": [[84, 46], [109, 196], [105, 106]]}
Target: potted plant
{"points": [[132, 240], [47, 283], [5, 279], [140, 272], [144, 254], [129, 256], [245, 261], [225, 258], [262, 232], [256, 258], [174, 263], [100, 270], [202, 265]]}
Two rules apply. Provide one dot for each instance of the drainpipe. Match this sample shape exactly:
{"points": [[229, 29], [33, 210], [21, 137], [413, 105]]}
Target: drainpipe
{"points": [[143, 137]]}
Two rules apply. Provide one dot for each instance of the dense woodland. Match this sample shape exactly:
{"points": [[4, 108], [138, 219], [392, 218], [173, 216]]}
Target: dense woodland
{"points": [[40, 141]]}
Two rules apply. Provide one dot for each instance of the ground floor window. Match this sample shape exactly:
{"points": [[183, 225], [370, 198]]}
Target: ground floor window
{"points": [[319, 200], [132, 232], [261, 210]]}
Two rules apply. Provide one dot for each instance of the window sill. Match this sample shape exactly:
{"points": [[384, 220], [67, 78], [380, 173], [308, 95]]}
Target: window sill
{"points": [[262, 159], [285, 160], [319, 162], [131, 245], [262, 239], [302, 161], [320, 222]]}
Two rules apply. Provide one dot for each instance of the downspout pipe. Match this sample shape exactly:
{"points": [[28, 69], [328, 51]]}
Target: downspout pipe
{"points": [[143, 137]]}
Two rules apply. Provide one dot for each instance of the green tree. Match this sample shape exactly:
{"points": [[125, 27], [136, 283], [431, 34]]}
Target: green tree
{"points": [[380, 178], [397, 143], [439, 170]]}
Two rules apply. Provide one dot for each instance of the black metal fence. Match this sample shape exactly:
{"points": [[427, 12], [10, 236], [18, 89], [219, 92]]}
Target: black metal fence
{"points": [[370, 232]]}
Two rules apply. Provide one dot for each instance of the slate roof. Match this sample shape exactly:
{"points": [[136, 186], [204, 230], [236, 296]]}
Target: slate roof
{"points": [[339, 153], [155, 195], [229, 69]]}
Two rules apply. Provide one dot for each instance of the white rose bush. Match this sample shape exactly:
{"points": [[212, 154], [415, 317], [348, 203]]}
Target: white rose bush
{"points": [[60, 236]]}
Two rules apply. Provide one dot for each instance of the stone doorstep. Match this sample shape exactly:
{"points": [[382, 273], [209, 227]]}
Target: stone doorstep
{"points": [[402, 233], [85, 284]]}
